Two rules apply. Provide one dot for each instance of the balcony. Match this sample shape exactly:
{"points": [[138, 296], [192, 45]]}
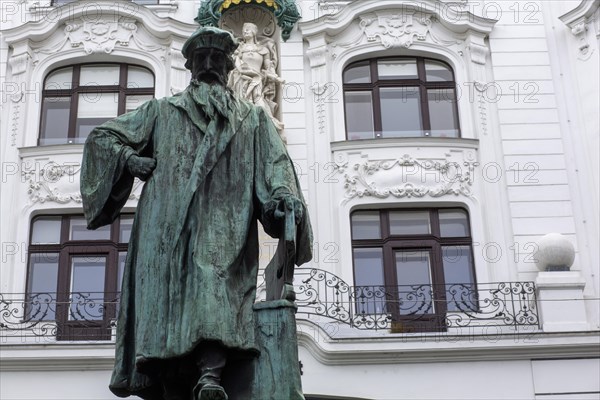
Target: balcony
{"points": [[322, 298]]}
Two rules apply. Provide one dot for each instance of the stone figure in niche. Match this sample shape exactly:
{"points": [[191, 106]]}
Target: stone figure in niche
{"points": [[254, 77], [214, 166]]}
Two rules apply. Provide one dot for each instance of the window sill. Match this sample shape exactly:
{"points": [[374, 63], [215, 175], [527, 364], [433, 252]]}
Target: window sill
{"points": [[405, 142]]}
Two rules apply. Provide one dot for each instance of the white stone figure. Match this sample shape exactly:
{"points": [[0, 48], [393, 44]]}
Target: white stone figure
{"points": [[254, 77]]}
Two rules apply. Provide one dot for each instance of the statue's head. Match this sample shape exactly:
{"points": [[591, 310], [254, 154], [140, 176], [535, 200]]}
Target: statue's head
{"points": [[208, 54], [249, 31]]}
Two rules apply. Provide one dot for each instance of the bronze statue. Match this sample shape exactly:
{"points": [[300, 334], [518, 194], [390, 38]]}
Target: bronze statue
{"points": [[214, 166]]}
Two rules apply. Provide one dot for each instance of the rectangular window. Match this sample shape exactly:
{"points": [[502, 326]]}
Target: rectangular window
{"points": [[74, 274], [415, 265]]}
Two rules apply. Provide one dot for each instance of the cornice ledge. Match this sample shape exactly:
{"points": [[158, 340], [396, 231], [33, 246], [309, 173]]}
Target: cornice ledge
{"points": [[160, 27], [584, 10], [50, 150], [405, 142], [506, 348], [57, 357], [459, 22]]}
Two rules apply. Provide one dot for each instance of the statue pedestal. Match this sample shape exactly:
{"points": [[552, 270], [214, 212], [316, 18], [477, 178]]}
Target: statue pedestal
{"points": [[277, 371]]}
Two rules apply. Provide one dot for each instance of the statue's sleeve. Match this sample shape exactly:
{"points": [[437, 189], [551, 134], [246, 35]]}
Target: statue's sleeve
{"points": [[275, 179], [105, 181]]}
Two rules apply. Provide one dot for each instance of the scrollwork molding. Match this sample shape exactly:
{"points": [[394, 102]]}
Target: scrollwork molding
{"points": [[432, 177], [396, 30], [101, 36], [50, 183], [579, 20]]}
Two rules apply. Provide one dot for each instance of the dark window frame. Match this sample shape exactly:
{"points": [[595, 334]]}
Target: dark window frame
{"points": [[374, 88], [74, 329], [432, 242], [73, 93]]}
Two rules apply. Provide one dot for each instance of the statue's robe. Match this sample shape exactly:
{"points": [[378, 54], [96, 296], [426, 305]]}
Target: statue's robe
{"points": [[192, 263]]}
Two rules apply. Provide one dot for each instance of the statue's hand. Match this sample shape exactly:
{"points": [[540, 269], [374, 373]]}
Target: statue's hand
{"points": [[141, 167], [287, 203]]}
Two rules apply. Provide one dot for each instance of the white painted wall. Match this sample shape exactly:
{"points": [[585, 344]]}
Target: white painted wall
{"points": [[541, 135]]}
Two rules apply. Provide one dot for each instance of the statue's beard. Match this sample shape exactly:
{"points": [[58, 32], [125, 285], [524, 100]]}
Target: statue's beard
{"points": [[211, 76]]}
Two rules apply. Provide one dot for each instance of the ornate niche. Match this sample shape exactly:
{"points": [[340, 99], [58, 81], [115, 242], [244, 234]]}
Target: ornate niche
{"points": [[258, 25]]}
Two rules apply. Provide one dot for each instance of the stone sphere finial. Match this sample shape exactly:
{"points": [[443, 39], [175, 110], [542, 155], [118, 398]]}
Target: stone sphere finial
{"points": [[555, 253]]}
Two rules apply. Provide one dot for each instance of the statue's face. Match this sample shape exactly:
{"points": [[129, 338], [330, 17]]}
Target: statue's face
{"points": [[210, 66], [249, 31]]}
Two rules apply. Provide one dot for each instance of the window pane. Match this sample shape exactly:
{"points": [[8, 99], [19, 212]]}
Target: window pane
{"points": [[401, 112], [122, 258], [437, 71], [78, 231], [46, 230], [409, 223], [458, 274], [55, 120], [133, 102], [359, 73], [60, 79], [369, 291], [94, 109], [43, 278], [138, 77], [397, 69], [442, 112], [368, 267], [414, 282], [454, 223], [359, 115], [99, 75], [366, 225], [125, 226], [87, 287]]}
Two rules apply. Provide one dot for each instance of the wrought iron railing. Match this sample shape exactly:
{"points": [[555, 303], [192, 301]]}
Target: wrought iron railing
{"points": [[433, 307], [320, 296], [81, 316]]}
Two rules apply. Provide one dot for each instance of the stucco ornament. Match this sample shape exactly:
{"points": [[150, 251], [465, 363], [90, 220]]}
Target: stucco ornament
{"points": [[396, 30], [100, 36], [254, 77], [408, 177]]}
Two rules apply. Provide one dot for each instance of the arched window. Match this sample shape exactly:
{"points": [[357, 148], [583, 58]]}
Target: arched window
{"points": [[80, 97], [400, 97]]}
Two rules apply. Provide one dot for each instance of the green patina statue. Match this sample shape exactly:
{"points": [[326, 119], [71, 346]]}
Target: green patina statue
{"points": [[214, 166]]}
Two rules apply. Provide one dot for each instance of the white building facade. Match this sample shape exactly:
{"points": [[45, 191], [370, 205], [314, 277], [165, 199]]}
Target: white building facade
{"points": [[448, 153]]}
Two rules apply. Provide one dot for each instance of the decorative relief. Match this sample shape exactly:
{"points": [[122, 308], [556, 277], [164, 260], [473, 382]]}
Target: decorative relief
{"points": [[47, 183], [15, 124], [16, 115], [408, 177], [100, 36], [234, 18], [19, 63], [319, 97], [397, 31], [59, 183], [579, 20], [580, 32], [478, 53], [481, 106]]}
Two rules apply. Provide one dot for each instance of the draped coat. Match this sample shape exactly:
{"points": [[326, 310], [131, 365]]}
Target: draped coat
{"points": [[192, 262]]}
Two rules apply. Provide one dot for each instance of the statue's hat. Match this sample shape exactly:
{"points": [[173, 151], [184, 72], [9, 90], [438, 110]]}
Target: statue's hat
{"points": [[208, 37]]}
